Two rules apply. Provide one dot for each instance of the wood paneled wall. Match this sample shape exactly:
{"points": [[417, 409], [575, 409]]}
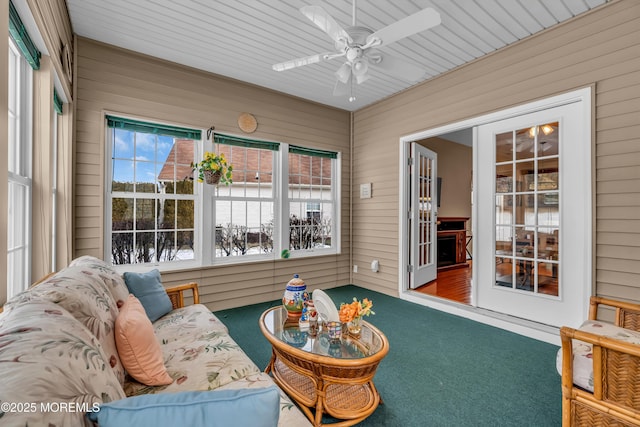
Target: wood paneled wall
{"points": [[52, 19], [114, 80], [600, 48]]}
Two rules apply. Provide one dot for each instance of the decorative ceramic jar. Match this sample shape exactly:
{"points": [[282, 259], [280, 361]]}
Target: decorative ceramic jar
{"points": [[294, 297]]}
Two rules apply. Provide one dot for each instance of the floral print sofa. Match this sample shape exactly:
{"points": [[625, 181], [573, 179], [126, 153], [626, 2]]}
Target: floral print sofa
{"points": [[58, 357]]}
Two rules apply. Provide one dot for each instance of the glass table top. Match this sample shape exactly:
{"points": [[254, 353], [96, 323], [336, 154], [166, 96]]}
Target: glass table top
{"points": [[288, 331]]}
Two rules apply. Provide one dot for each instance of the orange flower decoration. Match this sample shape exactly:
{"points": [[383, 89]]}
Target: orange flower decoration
{"points": [[350, 311]]}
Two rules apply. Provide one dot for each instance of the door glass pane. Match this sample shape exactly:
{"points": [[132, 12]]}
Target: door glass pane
{"points": [[504, 147], [525, 143], [527, 214], [548, 140], [504, 178]]}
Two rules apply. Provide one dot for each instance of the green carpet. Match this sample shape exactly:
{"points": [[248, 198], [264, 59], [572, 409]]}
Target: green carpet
{"points": [[441, 370]]}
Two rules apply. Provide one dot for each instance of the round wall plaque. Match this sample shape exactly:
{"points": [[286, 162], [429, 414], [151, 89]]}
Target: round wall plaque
{"points": [[247, 123]]}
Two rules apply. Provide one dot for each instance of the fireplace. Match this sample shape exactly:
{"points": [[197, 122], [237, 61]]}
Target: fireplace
{"points": [[447, 250], [452, 241]]}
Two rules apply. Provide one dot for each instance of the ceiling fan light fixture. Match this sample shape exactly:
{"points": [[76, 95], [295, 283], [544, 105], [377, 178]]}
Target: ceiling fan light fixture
{"points": [[535, 130], [359, 67], [344, 72], [362, 78], [354, 43]]}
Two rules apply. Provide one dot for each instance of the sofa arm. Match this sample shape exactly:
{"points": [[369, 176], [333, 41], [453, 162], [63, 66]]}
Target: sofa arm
{"points": [[176, 294], [627, 314]]}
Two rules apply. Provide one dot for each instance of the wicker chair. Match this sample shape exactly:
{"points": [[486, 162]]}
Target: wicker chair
{"points": [[615, 400]]}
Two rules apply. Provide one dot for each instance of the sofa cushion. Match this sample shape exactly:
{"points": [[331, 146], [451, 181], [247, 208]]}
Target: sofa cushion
{"points": [[137, 345], [190, 320], [290, 415], [147, 287], [258, 407], [111, 278], [81, 291], [199, 360], [583, 352], [48, 357]]}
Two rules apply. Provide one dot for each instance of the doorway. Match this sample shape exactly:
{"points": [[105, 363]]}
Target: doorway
{"points": [[535, 288], [452, 234]]}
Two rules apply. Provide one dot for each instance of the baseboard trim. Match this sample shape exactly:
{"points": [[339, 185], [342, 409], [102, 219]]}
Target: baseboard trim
{"points": [[538, 331]]}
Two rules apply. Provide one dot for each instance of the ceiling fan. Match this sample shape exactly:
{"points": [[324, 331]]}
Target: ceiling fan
{"points": [[358, 46]]}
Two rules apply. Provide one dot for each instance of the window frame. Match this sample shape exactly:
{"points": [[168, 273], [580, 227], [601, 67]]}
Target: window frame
{"points": [[334, 200], [204, 210], [109, 195], [20, 167]]}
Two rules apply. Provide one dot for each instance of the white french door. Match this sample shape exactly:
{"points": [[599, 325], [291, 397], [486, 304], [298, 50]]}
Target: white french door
{"points": [[423, 215], [533, 212]]}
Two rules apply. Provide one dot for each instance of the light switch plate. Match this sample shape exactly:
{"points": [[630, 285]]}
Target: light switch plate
{"points": [[365, 191]]}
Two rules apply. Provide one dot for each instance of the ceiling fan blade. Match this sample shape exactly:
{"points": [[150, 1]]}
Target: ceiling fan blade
{"points": [[326, 23], [399, 68], [299, 62], [412, 24]]}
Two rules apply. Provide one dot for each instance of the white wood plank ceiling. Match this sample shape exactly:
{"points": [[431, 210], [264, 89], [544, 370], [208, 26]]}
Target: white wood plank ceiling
{"points": [[242, 39]]}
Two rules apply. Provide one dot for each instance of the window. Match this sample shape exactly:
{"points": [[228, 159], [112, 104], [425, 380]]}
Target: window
{"points": [[152, 205], [244, 212], [281, 197], [19, 172], [312, 199]]}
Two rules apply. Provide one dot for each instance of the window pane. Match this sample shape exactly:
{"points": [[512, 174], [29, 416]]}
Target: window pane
{"points": [[524, 242], [145, 250], [145, 167], [122, 176], [185, 246], [504, 209], [504, 178], [312, 197], [244, 211], [525, 177], [122, 248], [548, 174], [185, 214], [504, 147], [145, 177], [145, 214], [525, 142], [123, 145], [121, 214], [548, 139], [504, 241]]}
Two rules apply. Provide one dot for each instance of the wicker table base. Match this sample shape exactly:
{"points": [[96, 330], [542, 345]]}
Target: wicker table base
{"points": [[339, 387]]}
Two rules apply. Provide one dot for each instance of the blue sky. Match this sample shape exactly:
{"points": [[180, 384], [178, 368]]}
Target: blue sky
{"points": [[136, 152]]}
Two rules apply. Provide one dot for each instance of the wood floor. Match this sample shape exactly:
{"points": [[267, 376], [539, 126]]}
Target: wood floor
{"points": [[451, 284], [456, 284]]}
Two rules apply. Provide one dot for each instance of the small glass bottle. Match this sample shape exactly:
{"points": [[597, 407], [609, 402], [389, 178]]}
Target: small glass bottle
{"points": [[312, 315]]}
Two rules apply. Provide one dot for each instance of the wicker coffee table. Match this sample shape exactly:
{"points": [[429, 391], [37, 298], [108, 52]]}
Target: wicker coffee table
{"points": [[324, 376]]}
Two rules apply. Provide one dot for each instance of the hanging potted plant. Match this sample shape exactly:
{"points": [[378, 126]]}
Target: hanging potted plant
{"points": [[213, 169]]}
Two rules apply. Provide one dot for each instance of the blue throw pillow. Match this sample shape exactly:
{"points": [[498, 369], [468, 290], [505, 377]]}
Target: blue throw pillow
{"points": [[147, 287], [256, 407]]}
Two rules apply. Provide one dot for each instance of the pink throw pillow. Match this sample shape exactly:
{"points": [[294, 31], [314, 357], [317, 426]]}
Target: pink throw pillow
{"points": [[137, 346]]}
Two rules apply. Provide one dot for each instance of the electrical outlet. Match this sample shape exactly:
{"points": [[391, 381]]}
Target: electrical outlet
{"points": [[355, 268]]}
